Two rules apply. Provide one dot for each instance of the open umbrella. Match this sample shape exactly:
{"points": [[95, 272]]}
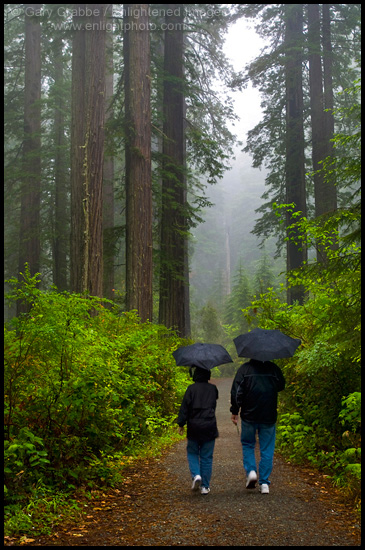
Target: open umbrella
{"points": [[205, 356], [265, 345]]}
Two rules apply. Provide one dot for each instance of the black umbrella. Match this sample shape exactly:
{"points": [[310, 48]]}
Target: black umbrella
{"points": [[265, 345], [205, 356]]}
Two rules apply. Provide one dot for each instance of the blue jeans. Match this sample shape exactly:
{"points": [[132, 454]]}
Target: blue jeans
{"points": [[266, 433], [200, 459]]}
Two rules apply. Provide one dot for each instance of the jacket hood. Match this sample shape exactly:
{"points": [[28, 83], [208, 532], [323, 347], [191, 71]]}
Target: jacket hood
{"points": [[201, 375]]}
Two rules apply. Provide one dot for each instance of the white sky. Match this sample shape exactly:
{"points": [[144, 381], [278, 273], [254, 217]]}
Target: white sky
{"points": [[243, 45]]}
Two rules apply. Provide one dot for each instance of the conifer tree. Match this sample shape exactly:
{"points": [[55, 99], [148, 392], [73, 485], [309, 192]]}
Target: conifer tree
{"points": [[339, 47], [239, 299], [61, 240], [173, 269], [138, 160], [29, 249], [87, 151], [294, 166], [325, 195], [108, 175], [13, 142], [264, 277]]}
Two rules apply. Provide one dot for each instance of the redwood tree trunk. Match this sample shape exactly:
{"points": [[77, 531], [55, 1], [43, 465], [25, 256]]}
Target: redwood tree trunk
{"points": [[138, 161], [173, 254], [328, 86], [94, 151], [87, 154], [78, 116], [108, 179], [316, 101], [321, 98], [294, 168], [330, 189], [29, 238], [30, 198], [61, 237]]}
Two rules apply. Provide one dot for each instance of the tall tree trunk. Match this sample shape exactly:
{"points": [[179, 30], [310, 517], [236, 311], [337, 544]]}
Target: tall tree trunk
{"points": [[328, 86], [295, 173], [316, 100], [29, 245], [78, 116], [227, 263], [108, 184], [322, 132], [330, 189], [61, 237], [88, 148], [138, 161], [173, 263], [95, 101]]}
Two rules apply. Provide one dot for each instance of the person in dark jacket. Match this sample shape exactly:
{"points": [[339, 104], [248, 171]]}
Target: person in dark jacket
{"points": [[198, 412], [255, 391]]}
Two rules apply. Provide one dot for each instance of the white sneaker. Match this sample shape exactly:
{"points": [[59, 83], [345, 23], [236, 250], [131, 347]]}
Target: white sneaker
{"points": [[196, 483], [204, 490], [251, 480], [264, 489]]}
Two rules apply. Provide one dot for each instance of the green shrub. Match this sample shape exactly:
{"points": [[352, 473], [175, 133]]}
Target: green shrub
{"points": [[81, 382]]}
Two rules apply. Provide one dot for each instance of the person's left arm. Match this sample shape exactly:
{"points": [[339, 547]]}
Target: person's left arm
{"points": [[281, 379], [235, 408], [183, 412]]}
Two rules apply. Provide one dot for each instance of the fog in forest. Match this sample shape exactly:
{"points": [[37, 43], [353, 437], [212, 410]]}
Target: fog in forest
{"points": [[224, 241]]}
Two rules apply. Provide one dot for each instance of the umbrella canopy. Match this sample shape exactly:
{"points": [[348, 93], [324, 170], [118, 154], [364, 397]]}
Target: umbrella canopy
{"points": [[205, 356], [265, 345]]}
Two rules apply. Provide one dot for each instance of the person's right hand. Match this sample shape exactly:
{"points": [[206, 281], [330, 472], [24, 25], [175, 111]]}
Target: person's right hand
{"points": [[234, 419]]}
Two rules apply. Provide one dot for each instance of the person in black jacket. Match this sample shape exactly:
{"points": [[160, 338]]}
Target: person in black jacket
{"points": [[198, 412], [255, 391]]}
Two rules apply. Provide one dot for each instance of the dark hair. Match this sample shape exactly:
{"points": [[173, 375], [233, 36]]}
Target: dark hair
{"points": [[201, 375]]}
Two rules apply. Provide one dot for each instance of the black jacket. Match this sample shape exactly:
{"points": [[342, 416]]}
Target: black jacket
{"points": [[255, 390], [198, 411]]}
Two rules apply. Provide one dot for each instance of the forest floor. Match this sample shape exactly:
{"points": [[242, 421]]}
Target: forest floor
{"points": [[156, 507]]}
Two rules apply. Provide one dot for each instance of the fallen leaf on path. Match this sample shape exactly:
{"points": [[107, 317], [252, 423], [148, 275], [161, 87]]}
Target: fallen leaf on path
{"points": [[25, 540]]}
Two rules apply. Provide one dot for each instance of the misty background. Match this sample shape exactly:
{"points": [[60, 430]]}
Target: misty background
{"points": [[223, 242]]}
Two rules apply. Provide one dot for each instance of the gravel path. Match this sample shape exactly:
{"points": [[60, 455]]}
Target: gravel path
{"points": [[156, 507]]}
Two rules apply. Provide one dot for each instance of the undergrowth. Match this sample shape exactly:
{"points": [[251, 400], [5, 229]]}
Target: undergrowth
{"points": [[87, 388]]}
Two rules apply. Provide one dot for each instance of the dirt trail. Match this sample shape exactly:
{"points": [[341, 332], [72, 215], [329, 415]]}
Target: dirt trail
{"points": [[155, 506]]}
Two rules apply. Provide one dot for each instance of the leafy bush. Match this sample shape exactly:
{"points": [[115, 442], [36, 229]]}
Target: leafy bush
{"points": [[350, 415], [23, 456], [350, 418], [81, 382]]}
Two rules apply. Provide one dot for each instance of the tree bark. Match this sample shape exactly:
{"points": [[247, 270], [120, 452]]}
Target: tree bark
{"points": [[94, 161], [329, 184], [328, 87], [61, 236], [173, 253], [30, 199], [78, 123], [294, 168], [87, 145], [108, 180], [138, 161], [322, 121], [316, 100], [321, 98], [29, 237]]}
